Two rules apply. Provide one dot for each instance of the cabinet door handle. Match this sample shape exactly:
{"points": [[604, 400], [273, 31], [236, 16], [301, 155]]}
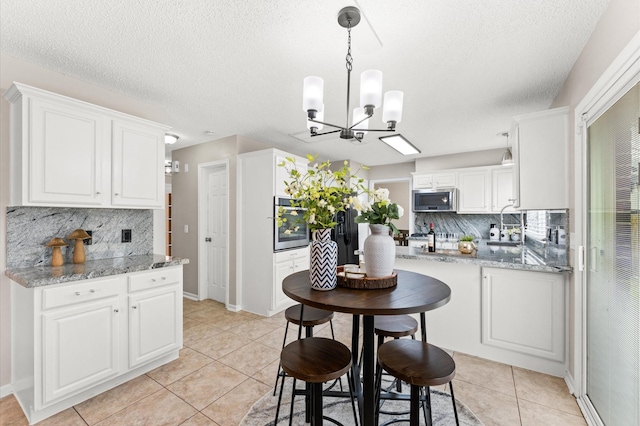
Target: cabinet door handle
{"points": [[77, 293], [92, 291], [153, 280], [116, 194], [116, 310], [98, 193], [163, 278], [134, 307]]}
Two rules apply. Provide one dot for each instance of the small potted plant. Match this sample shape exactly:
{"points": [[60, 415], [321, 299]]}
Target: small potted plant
{"points": [[466, 244]]}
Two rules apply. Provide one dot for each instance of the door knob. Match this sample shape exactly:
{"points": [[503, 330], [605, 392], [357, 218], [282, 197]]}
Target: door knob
{"points": [[208, 240]]}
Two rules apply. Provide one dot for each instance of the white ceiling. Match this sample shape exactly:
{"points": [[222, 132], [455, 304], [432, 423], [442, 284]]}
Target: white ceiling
{"points": [[236, 66]]}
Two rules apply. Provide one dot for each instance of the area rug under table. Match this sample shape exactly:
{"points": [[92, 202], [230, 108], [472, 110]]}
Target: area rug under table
{"points": [[264, 410]]}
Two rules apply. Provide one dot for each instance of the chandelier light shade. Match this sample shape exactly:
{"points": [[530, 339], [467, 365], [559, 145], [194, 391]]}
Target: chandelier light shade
{"points": [[170, 138], [392, 112], [371, 89], [370, 96], [312, 94]]}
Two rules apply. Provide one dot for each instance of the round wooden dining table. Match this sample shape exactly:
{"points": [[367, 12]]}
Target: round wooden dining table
{"points": [[414, 293]]}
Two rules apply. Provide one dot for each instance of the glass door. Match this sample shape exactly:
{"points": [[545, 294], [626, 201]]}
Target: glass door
{"points": [[613, 316]]}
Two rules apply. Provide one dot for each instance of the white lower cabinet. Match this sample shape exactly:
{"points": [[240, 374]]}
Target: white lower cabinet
{"points": [[72, 341], [523, 311], [287, 263], [155, 315], [515, 317], [80, 347]]}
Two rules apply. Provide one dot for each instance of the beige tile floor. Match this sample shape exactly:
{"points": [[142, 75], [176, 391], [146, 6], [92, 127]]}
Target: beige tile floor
{"points": [[229, 361]]}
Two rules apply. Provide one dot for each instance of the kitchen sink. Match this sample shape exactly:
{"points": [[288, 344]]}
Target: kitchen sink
{"points": [[504, 243]]}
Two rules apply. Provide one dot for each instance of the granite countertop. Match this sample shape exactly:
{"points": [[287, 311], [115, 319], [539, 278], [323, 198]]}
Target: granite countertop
{"points": [[549, 259], [39, 276]]}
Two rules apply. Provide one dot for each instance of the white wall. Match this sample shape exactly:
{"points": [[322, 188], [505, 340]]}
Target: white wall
{"points": [[12, 69], [616, 28]]}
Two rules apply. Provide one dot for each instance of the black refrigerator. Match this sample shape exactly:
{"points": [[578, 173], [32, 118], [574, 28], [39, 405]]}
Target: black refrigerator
{"points": [[345, 234]]}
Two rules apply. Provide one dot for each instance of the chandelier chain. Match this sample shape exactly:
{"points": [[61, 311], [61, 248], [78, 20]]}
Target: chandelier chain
{"points": [[349, 58]]}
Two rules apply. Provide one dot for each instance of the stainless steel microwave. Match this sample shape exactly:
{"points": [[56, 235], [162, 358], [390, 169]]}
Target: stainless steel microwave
{"points": [[442, 200]]}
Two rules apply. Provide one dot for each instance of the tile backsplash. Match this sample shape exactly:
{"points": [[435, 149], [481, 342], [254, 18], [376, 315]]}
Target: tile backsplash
{"points": [[30, 228], [478, 225]]}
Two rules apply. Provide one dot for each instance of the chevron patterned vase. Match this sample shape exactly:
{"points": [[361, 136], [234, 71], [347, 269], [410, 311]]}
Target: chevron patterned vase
{"points": [[324, 261]]}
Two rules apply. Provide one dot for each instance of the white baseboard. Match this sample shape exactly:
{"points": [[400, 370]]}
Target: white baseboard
{"points": [[190, 296], [234, 308], [568, 379], [6, 390]]}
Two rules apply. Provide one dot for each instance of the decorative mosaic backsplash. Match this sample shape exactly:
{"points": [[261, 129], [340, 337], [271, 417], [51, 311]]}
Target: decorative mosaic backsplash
{"points": [[30, 228]]}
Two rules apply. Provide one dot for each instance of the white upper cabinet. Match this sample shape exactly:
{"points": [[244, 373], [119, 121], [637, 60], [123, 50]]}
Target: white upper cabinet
{"points": [[280, 173], [485, 189], [137, 150], [540, 144], [69, 153], [502, 189], [474, 194], [66, 156], [434, 180]]}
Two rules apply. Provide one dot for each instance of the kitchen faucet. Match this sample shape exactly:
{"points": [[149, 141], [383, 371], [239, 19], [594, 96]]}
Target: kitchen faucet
{"points": [[502, 215], [521, 222]]}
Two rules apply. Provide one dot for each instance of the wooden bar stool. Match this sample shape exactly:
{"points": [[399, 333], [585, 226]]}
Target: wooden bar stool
{"points": [[316, 360], [419, 364], [312, 317], [395, 326]]}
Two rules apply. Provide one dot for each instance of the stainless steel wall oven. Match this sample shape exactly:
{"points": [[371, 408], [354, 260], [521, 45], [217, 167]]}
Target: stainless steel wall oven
{"points": [[294, 233]]}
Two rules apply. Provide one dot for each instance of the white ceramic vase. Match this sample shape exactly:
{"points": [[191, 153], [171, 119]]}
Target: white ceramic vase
{"points": [[379, 252], [323, 268]]}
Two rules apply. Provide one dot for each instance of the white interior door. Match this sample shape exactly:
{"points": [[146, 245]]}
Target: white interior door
{"points": [[216, 232]]}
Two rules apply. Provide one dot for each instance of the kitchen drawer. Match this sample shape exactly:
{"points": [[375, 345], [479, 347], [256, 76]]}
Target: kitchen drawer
{"points": [[160, 277], [79, 293], [283, 256]]}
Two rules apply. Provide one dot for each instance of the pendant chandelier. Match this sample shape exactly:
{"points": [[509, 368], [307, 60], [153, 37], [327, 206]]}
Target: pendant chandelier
{"points": [[507, 156], [370, 95]]}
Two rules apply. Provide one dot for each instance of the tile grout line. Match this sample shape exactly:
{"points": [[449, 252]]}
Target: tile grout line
{"points": [[515, 388]]}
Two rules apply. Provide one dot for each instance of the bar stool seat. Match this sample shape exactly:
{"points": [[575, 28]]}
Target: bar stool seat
{"points": [[418, 364], [312, 317], [316, 360], [395, 326]]}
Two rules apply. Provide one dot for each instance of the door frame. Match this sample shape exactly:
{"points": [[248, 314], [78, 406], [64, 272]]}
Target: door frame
{"points": [[620, 76], [203, 169]]}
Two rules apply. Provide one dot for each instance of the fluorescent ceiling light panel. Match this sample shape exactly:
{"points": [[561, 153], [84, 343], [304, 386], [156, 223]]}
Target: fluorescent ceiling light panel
{"points": [[400, 144]]}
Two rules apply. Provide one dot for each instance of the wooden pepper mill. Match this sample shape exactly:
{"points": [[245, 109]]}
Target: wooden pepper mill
{"points": [[78, 250], [56, 256]]}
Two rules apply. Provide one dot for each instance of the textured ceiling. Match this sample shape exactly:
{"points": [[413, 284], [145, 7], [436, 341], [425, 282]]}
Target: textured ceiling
{"points": [[236, 67]]}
